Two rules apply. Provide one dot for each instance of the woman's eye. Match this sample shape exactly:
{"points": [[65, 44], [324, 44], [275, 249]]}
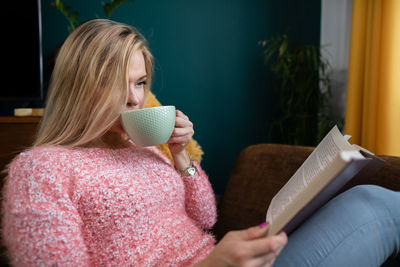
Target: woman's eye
{"points": [[140, 84]]}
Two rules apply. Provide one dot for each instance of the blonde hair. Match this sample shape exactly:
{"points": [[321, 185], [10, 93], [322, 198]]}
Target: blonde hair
{"points": [[90, 82]]}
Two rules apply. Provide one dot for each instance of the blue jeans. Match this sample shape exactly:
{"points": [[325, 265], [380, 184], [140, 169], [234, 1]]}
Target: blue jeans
{"points": [[360, 227]]}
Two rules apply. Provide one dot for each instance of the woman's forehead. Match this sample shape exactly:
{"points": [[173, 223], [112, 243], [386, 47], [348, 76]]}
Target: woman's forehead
{"points": [[137, 66]]}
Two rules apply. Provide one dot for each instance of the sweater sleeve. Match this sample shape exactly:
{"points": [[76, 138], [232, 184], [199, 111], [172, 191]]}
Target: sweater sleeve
{"points": [[199, 195], [200, 198], [41, 225]]}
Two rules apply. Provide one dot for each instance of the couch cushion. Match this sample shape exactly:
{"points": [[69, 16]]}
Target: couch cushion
{"points": [[257, 175]]}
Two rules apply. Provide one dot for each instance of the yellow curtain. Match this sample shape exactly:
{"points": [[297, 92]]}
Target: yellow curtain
{"points": [[373, 89]]}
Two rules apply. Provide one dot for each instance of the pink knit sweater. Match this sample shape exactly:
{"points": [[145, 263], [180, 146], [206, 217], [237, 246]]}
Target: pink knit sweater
{"points": [[104, 207]]}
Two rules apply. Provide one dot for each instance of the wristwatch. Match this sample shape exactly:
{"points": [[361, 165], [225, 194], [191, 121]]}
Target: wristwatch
{"points": [[189, 171]]}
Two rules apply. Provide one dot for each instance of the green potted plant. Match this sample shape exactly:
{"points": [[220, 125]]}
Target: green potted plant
{"points": [[302, 88], [72, 16]]}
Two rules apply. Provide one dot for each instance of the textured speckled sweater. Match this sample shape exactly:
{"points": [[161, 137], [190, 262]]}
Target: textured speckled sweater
{"points": [[105, 207]]}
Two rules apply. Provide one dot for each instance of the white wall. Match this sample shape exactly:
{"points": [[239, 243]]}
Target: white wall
{"points": [[335, 37]]}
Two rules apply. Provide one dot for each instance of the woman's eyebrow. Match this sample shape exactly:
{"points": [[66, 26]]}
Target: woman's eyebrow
{"points": [[141, 78]]}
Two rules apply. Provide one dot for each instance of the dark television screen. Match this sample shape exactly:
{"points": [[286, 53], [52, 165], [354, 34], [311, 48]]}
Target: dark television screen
{"points": [[22, 69]]}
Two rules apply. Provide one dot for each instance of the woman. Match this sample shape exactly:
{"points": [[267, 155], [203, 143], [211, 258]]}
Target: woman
{"points": [[85, 195]]}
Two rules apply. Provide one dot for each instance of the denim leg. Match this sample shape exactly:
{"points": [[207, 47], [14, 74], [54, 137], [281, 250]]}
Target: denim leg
{"points": [[360, 227]]}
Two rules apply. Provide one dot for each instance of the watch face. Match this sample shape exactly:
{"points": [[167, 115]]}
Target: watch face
{"points": [[191, 171]]}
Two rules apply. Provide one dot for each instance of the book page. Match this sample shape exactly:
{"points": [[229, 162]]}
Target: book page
{"points": [[329, 148]]}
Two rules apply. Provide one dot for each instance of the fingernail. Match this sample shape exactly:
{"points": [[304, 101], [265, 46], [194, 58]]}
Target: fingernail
{"points": [[264, 224]]}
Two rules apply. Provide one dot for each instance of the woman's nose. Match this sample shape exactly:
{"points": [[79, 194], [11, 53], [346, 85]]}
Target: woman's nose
{"points": [[133, 100]]}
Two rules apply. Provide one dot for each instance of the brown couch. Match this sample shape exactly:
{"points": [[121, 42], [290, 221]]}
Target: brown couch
{"points": [[261, 170]]}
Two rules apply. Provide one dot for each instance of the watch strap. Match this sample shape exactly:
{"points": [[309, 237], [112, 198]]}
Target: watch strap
{"points": [[189, 171]]}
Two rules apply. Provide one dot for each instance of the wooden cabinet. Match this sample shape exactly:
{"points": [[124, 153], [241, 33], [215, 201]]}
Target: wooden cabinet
{"points": [[16, 134]]}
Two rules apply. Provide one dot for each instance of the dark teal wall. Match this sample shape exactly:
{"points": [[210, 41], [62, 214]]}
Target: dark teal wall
{"points": [[208, 62]]}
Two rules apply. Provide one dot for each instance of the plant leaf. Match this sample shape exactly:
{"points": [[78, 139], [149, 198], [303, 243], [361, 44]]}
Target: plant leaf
{"points": [[116, 3], [73, 16], [108, 10]]}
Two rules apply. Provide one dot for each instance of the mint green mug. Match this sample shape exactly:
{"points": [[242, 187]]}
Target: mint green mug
{"points": [[149, 126]]}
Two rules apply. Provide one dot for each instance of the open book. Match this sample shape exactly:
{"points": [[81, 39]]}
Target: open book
{"points": [[330, 166]]}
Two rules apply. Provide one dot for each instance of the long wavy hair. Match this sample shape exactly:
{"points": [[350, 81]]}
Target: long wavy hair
{"points": [[89, 85]]}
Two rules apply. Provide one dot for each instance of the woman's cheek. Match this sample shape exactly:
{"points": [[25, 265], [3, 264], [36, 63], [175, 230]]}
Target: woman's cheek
{"points": [[117, 127]]}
